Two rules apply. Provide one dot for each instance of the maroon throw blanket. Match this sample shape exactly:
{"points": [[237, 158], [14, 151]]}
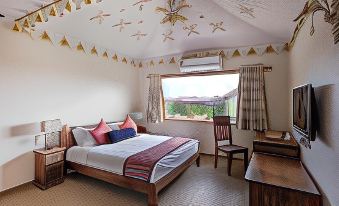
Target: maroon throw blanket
{"points": [[141, 165]]}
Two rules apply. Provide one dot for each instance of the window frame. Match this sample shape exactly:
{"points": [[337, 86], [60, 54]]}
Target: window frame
{"points": [[193, 74]]}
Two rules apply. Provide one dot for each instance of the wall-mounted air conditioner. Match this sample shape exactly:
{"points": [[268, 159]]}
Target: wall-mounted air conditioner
{"points": [[201, 64]]}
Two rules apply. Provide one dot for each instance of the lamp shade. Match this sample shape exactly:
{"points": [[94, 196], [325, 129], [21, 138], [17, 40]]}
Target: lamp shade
{"points": [[136, 115], [52, 131]]}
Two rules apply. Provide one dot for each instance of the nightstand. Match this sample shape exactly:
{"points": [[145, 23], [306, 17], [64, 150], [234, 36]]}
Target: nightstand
{"points": [[49, 167]]}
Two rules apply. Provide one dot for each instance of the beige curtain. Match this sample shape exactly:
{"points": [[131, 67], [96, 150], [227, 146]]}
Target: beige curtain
{"points": [[251, 109], [154, 109]]}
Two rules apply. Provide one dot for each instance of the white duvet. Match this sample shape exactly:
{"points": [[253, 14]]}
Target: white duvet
{"points": [[111, 157]]}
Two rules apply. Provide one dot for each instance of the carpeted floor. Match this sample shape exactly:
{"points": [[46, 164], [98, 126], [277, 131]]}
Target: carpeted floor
{"points": [[197, 186]]}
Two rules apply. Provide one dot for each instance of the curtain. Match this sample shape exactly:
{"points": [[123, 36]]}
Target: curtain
{"points": [[154, 109], [251, 106]]}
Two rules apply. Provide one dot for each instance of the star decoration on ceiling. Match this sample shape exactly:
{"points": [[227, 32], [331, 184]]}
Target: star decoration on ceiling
{"points": [[217, 26], [141, 4], [139, 35], [100, 17], [191, 29], [172, 14], [246, 10], [168, 36], [122, 24]]}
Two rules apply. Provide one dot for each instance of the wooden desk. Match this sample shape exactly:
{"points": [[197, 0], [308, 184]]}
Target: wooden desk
{"points": [[263, 144], [279, 181]]}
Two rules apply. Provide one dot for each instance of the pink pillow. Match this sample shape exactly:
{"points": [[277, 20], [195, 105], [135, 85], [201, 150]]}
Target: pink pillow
{"points": [[129, 123], [100, 133]]}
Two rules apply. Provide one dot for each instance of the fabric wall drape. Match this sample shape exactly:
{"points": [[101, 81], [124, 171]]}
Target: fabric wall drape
{"points": [[154, 109], [251, 108]]}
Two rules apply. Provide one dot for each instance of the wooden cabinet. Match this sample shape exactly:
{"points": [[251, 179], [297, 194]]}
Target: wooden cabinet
{"points": [[280, 181], [49, 167]]}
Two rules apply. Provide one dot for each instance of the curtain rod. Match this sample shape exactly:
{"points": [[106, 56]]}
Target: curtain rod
{"points": [[229, 70]]}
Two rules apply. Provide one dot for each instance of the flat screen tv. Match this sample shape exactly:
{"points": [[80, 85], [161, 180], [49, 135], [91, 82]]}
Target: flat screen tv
{"points": [[303, 111]]}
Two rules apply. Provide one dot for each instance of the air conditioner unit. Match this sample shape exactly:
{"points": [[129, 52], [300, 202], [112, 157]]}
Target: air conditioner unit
{"points": [[201, 64]]}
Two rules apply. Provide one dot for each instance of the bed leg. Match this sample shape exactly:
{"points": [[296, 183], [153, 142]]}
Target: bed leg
{"points": [[152, 195], [198, 161]]}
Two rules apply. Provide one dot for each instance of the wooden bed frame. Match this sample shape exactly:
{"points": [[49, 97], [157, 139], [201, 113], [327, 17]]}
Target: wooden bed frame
{"points": [[151, 189]]}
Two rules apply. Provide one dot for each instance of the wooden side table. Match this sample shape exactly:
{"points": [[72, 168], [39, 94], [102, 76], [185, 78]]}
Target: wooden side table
{"points": [[49, 167]]}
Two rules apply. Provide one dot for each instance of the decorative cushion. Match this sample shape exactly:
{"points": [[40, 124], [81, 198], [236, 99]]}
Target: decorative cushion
{"points": [[119, 135], [83, 137], [129, 123], [115, 126], [100, 133]]}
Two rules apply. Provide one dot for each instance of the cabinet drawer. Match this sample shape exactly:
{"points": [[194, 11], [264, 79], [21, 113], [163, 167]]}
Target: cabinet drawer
{"points": [[53, 158], [54, 172]]}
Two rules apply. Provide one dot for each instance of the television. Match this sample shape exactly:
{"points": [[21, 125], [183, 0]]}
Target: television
{"points": [[303, 111]]}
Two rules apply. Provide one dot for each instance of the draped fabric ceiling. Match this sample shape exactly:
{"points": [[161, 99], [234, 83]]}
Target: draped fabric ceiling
{"points": [[135, 28]]}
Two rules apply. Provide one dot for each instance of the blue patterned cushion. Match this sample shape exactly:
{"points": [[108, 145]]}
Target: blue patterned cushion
{"points": [[119, 135]]}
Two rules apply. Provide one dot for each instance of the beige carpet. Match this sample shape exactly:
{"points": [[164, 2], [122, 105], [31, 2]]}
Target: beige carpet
{"points": [[197, 186]]}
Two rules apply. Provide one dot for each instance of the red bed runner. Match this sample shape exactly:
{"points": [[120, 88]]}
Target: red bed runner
{"points": [[141, 165]]}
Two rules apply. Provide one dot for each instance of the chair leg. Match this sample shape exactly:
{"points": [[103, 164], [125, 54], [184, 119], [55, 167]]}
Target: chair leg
{"points": [[216, 158], [229, 163], [245, 160]]}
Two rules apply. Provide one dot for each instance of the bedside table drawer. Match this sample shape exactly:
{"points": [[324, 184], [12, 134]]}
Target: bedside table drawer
{"points": [[53, 158], [54, 172]]}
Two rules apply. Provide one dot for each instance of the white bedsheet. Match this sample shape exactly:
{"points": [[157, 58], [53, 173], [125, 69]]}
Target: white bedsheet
{"points": [[111, 157]]}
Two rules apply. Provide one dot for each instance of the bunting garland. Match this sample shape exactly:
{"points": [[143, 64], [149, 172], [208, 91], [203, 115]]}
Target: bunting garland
{"points": [[57, 8]]}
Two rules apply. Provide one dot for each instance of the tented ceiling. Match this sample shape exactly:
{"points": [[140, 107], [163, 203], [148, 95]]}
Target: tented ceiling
{"points": [[207, 24]]}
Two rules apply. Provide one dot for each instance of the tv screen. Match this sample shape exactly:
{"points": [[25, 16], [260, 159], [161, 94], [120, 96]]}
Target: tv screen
{"points": [[302, 110]]}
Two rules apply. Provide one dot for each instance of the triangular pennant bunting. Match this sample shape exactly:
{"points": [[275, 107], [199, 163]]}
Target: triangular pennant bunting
{"points": [[244, 51], [68, 6], [78, 4], [61, 6], [64, 42], [115, 57], [278, 48], [73, 42], [54, 11], [94, 51], [45, 36], [55, 38], [260, 50], [105, 55], [80, 47]]}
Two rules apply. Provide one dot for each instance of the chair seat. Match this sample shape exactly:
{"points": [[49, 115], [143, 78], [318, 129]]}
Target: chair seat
{"points": [[232, 148]]}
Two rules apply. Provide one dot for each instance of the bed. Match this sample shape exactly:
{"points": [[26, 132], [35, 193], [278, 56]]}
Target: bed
{"points": [[107, 162]]}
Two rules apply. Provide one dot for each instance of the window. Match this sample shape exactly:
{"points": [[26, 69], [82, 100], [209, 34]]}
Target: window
{"points": [[200, 97]]}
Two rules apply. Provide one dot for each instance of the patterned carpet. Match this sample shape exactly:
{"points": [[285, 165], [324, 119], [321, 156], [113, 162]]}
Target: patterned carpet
{"points": [[197, 186]]}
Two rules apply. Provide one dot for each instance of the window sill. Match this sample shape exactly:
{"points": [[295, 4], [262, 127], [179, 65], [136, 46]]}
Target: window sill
{"points": [[197, 121]]}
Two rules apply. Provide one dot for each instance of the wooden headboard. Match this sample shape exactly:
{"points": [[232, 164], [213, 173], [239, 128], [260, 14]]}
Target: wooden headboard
{"points": [[67, 139]]}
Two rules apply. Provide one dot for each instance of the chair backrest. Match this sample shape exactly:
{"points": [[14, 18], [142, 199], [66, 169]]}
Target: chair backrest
{"points": [[222, 128]]}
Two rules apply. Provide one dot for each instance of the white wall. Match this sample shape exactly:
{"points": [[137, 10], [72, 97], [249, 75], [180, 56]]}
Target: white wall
{"points": [[315, 60], [276, 91], [39, 82]]}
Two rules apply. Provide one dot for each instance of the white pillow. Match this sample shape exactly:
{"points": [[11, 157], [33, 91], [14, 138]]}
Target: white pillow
{"points": [[83, 137], [115, 126]]}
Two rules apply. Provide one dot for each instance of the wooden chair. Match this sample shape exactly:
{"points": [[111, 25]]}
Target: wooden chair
{"points": [[222, 132]]}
